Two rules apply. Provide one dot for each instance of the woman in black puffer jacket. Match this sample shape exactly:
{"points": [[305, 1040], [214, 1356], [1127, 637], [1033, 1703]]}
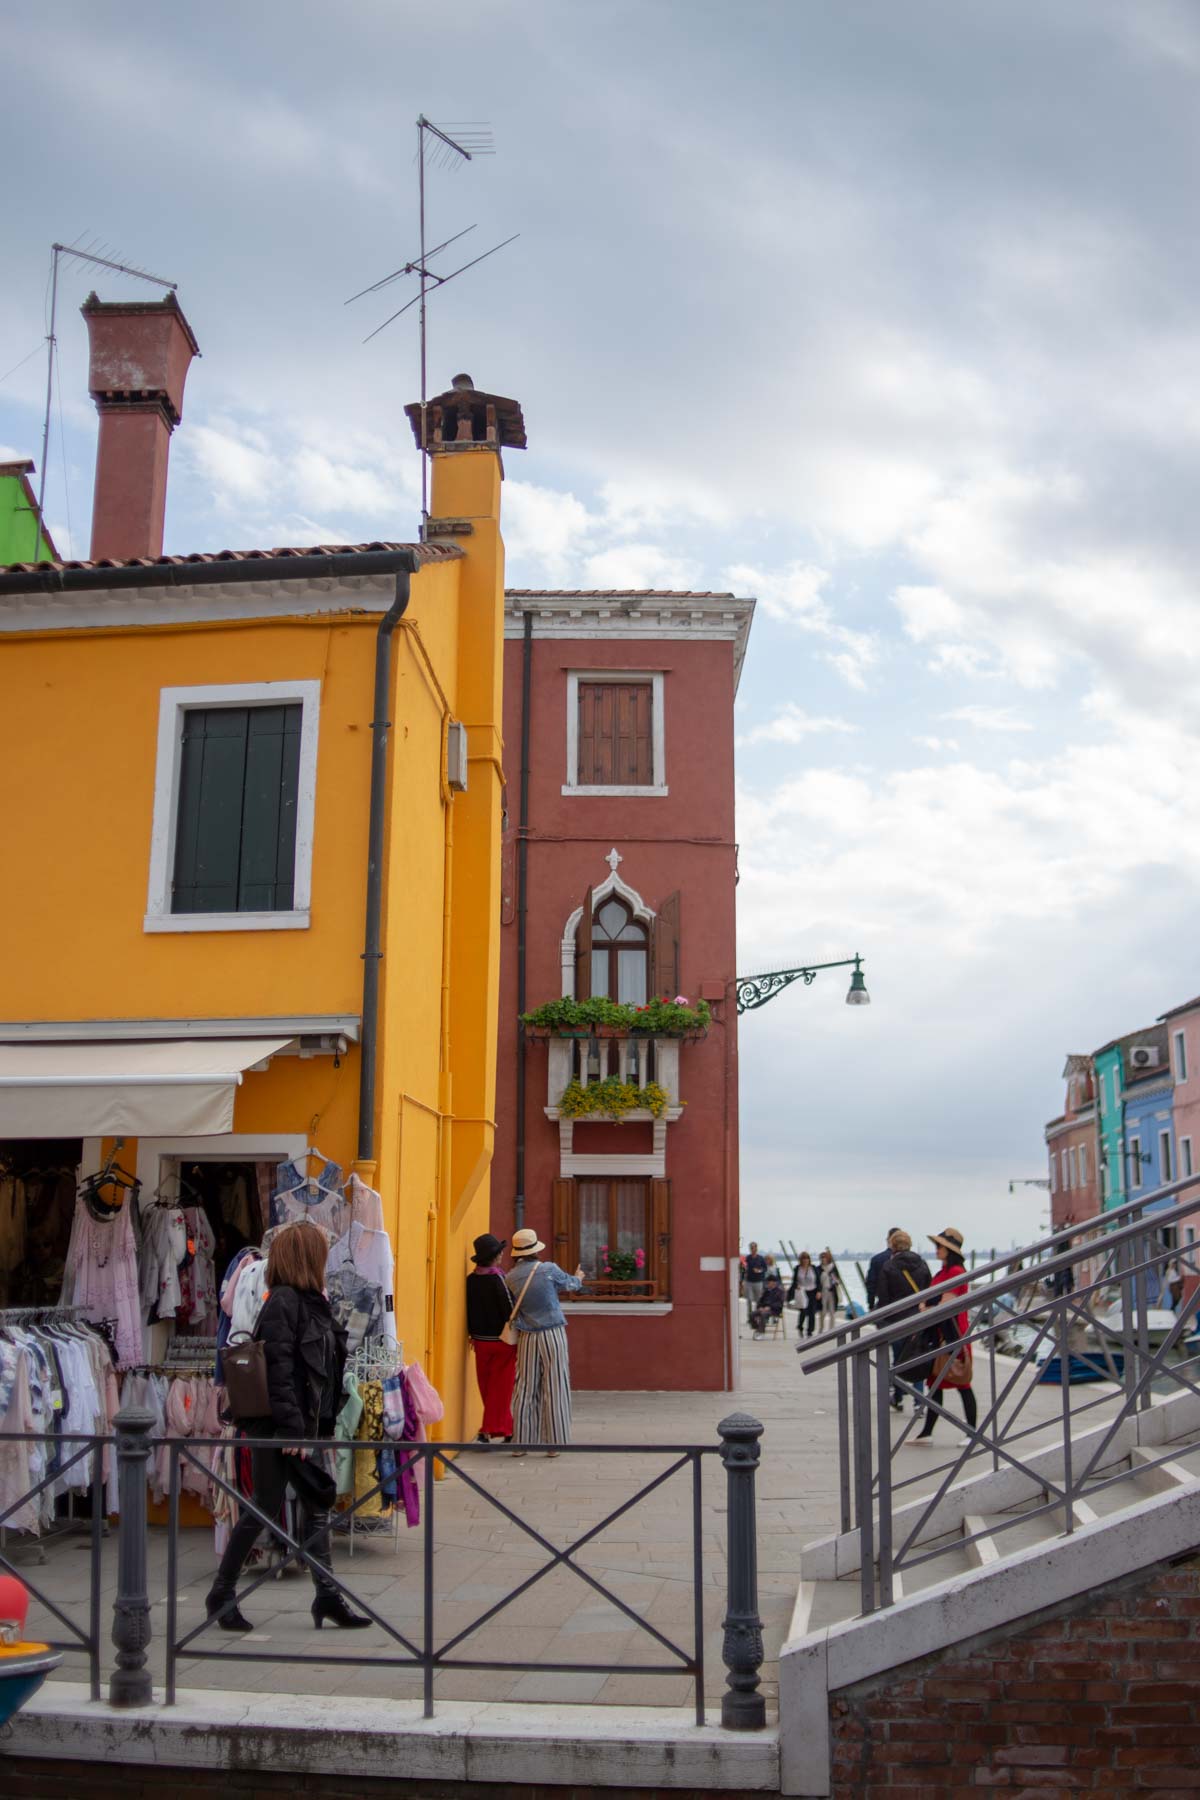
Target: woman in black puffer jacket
{"points": [[306, 1358]]}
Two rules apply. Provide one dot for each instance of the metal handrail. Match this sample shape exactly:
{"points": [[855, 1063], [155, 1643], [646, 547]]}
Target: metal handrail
{"points": [[888, 1354], [900, 1312]]}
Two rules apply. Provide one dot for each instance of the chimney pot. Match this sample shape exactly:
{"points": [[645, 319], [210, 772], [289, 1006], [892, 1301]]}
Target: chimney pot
{"points": [[463, 381], [140, 352]]}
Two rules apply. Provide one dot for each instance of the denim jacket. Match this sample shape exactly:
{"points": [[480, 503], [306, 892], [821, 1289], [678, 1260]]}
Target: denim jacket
{"points": [[540, 1310]]}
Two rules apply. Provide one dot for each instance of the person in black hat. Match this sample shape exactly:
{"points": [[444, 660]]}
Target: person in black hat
{"points": [[305, 1353], [488, 1306]]}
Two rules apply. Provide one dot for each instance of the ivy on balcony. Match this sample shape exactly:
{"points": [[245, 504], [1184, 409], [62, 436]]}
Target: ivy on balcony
{"points": [[658, 1018], [612, 1098]]}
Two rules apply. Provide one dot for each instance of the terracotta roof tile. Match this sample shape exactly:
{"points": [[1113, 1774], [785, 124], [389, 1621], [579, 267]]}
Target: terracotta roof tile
{"points": [[616, 594], [426, 553]]}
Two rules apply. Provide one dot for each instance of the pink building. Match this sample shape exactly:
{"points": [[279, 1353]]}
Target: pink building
{"points": [[1073, 1148], [1183, 1047], [619, 877]]}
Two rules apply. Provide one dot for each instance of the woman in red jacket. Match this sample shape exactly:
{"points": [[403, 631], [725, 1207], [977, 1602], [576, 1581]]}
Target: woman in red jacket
{"points": [[952, 1272]]}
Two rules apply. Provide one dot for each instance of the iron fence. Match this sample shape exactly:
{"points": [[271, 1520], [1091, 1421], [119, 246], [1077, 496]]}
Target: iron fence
{"points": [[742, 1707], [79, 1637], [1123, 1258]]}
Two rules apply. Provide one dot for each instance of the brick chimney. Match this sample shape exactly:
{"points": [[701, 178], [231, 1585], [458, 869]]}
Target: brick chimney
{"points": [[140, 352]]}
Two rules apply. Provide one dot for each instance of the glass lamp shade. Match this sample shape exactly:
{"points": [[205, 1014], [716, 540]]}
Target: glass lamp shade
{"points": [[858, 995]]}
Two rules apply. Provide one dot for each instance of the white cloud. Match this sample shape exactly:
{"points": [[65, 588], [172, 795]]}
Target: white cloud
{"points": [[988, 718], [795, 595], [640, 566], [793, 725]]}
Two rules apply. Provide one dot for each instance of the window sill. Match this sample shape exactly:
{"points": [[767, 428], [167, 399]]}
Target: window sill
{"points": [[230, 921], [638, 1309], [624, 793]]}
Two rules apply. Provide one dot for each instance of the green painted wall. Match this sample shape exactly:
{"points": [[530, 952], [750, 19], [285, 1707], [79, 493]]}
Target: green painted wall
{"points": [[20, 539], [1112, 1123]]}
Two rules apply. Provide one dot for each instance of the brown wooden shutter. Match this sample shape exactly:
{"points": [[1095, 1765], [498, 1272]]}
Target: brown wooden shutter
{"points": [[566, 1226], [585, 772], [660, 1238], [616, 734], [664, 950], [583, 951]]}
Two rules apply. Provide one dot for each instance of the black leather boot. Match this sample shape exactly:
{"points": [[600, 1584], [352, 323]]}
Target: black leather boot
{"points": [[333, 1607], [221, 1604]]}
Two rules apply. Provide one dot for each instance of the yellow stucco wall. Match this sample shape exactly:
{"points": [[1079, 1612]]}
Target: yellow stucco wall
{"points": [[78, 737]]}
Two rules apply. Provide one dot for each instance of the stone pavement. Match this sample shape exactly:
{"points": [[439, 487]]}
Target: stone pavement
{"points": [[644, 1557]]}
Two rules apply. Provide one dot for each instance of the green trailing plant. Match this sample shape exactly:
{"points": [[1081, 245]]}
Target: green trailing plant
{"points": [[660, 1018], [613, 1098]]}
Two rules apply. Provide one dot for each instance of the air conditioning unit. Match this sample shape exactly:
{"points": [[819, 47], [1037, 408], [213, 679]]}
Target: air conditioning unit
{"points": [[456, 756], [1144, 1056]]}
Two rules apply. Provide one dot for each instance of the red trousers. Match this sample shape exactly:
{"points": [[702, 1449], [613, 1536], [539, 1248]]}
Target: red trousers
{"points": [[495, 1371]]}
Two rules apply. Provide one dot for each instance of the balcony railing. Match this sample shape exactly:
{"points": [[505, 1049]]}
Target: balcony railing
{"points": [[632, 1056]]}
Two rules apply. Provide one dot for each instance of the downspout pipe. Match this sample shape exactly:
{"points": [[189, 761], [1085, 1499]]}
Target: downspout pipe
{"points": [[522, 911], [372, 954]]}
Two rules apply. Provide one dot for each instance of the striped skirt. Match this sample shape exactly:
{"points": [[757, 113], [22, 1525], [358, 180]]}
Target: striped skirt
{"points": [[542, 1401]]}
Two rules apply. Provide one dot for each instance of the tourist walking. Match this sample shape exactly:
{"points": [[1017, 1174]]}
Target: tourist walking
{"points": [[829, 1286], [489, 1304], [875, 1269], [953, 1364], [806, 1294], [754, 1273], [904, 1276], [305, 1353], [542, 1401]]}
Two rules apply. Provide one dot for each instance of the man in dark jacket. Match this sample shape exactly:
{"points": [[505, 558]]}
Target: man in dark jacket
{"points": [[904, 1276], [875, 1268], [754, 1273]]}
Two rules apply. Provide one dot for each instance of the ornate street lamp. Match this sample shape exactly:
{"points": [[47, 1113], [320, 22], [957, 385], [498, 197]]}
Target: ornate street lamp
{"points": [[756, 990]]}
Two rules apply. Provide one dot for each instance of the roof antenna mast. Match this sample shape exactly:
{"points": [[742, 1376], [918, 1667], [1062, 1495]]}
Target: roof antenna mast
{"points": [[74, 253], [439, 147]]}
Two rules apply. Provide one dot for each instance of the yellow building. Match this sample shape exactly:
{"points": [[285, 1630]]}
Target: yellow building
{"points": [[253, 804]]}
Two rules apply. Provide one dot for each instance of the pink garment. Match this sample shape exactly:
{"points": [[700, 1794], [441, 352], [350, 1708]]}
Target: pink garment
{"points": [[101, 1276]]}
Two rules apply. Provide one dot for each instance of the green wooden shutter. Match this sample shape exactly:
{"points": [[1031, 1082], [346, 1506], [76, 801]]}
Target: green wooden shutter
{"points": [[235, 838]]}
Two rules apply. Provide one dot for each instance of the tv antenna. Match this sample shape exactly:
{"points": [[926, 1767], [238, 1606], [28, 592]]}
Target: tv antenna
{"points": [[444, 147], [74, 253]]}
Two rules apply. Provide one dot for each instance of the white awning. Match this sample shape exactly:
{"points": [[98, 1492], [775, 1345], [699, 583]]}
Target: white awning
{"points": [[172, 1088]]}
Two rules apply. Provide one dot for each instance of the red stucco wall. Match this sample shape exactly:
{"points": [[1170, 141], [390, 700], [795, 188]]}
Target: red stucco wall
{"points": [[684, 843]]}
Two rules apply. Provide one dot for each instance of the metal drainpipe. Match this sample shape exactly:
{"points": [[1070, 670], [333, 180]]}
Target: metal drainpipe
{"points": [[522, 896], [373, 949]]}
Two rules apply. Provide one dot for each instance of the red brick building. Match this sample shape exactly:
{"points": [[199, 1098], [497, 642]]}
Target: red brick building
{"points": [[620, 869]]}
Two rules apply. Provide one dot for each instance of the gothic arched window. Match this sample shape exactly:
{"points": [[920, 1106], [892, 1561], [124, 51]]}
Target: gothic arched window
{"points": [[620, 953]]}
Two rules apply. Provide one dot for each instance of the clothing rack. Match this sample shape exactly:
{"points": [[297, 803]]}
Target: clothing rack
{"points": [[375, 1359], [31, 1315], [38, 1315]]}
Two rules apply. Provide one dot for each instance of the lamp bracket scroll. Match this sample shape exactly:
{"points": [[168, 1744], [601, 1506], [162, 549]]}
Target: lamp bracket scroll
{"points": [[755, 990]]}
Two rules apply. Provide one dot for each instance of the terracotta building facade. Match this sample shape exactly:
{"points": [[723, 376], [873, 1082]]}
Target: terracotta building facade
{"points": [[619, 876]]}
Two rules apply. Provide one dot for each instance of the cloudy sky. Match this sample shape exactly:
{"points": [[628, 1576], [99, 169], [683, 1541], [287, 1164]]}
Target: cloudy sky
{"points": [[883, 311]]}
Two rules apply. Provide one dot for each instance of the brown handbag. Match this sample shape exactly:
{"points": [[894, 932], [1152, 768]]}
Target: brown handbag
{"points": [[953, 1371], [244, 1366]]}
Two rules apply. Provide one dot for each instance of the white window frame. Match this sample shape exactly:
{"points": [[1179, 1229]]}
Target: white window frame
{"points": [[1053, 1173], [1181, 1056], [1083, 1165], [1074, 1168], [1135, 1163], [1185, 1157], [658, 790], [174, 702], [1166, 1162]]}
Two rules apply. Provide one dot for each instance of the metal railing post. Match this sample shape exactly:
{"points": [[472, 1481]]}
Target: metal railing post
{"points": [[743, 1708], [130, 1684], [843, 1411]]}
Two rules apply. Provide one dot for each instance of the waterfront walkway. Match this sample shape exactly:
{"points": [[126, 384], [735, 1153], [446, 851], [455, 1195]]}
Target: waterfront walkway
{"points": [[645, 1557]]}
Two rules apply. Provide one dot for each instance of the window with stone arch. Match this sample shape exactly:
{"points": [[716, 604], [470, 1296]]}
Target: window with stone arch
{"points": [[617, 947]]}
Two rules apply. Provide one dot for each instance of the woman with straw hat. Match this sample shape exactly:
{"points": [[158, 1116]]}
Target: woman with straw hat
{"points": [[952, 1365], [542, 1401]]}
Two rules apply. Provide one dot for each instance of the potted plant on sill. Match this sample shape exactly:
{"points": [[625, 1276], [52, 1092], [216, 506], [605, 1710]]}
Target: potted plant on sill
{"points": [[623, 1266], [601, 1017]]}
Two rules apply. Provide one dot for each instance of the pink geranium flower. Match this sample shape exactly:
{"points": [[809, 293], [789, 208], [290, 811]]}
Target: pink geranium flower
{"points": [[682, 1000]]}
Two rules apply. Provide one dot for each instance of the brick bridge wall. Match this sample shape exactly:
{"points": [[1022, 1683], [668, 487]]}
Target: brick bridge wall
{"points": [[1098, 1696]]}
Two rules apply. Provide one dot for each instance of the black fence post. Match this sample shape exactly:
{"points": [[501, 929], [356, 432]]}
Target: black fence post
{"points": [[129, 1684], [743, 1708]]}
